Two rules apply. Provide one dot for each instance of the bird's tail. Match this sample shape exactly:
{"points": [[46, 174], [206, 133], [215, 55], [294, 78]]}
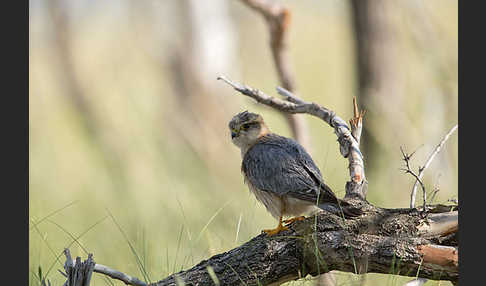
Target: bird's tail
{"points": [[348, 209], [328, 197]]}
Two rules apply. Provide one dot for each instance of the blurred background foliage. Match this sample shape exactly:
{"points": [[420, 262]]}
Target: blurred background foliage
{"points": [[130, 155]]}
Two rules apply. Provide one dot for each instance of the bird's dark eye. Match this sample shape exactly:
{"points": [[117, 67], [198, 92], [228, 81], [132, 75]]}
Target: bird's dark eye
{"points": [[245, 126]]}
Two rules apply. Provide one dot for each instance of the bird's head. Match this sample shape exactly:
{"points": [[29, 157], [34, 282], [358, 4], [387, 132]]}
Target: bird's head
{"points": [[246, 128]]}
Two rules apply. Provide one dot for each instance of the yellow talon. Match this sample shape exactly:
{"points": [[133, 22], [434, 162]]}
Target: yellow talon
{"points": [[289, 221], [280, 227], [275, 231]]}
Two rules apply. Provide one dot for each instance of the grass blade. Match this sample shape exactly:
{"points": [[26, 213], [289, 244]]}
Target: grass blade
{"points": [[139, 263], [178, 247], [212, 274], [238, 229], [68, 233], [51, 214], [75, 240], [211, 219]]}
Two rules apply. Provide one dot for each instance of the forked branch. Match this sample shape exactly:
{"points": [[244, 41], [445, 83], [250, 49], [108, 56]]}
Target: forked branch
{"points": [[349, 145], [406, 158], [427, 164]]}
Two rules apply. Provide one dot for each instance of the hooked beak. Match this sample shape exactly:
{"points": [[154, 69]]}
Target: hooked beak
{"points": [[233, 134]]}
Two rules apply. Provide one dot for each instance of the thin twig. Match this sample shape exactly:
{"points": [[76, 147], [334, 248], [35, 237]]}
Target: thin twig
{"points": [[408, 170], [429, 160]]}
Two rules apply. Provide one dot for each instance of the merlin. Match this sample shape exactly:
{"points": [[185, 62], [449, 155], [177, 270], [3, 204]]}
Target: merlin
{"points": [[280, 173]]}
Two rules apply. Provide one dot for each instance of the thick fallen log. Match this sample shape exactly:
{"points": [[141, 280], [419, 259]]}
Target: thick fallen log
{"points": [[388, 241], [407, 242]]}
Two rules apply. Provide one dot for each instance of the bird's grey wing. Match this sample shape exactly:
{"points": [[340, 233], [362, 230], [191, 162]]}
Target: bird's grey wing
{"points": [[276, 168], [325, 192]]}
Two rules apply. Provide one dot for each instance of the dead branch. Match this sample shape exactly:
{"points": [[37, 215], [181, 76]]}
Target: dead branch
{"points": [[278, 20], [115, 274], [406, 158], [79, 273], [349, 146]]}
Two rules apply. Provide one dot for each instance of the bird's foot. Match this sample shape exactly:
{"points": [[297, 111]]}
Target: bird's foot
{"points": [[289, 221], [275, 231]]}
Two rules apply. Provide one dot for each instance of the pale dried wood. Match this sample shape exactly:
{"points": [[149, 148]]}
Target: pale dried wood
{"points": [[78, 273], [115, 274], [440, 224]]}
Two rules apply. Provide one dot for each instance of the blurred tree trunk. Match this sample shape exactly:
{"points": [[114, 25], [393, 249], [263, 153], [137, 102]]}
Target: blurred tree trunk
{"points": [[74, 91], [278, 19], [379, 83], [401, 70], [206, 51], [198, 46]]}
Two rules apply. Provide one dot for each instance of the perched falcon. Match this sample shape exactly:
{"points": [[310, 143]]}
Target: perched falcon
{"points": [[280, 173]]}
